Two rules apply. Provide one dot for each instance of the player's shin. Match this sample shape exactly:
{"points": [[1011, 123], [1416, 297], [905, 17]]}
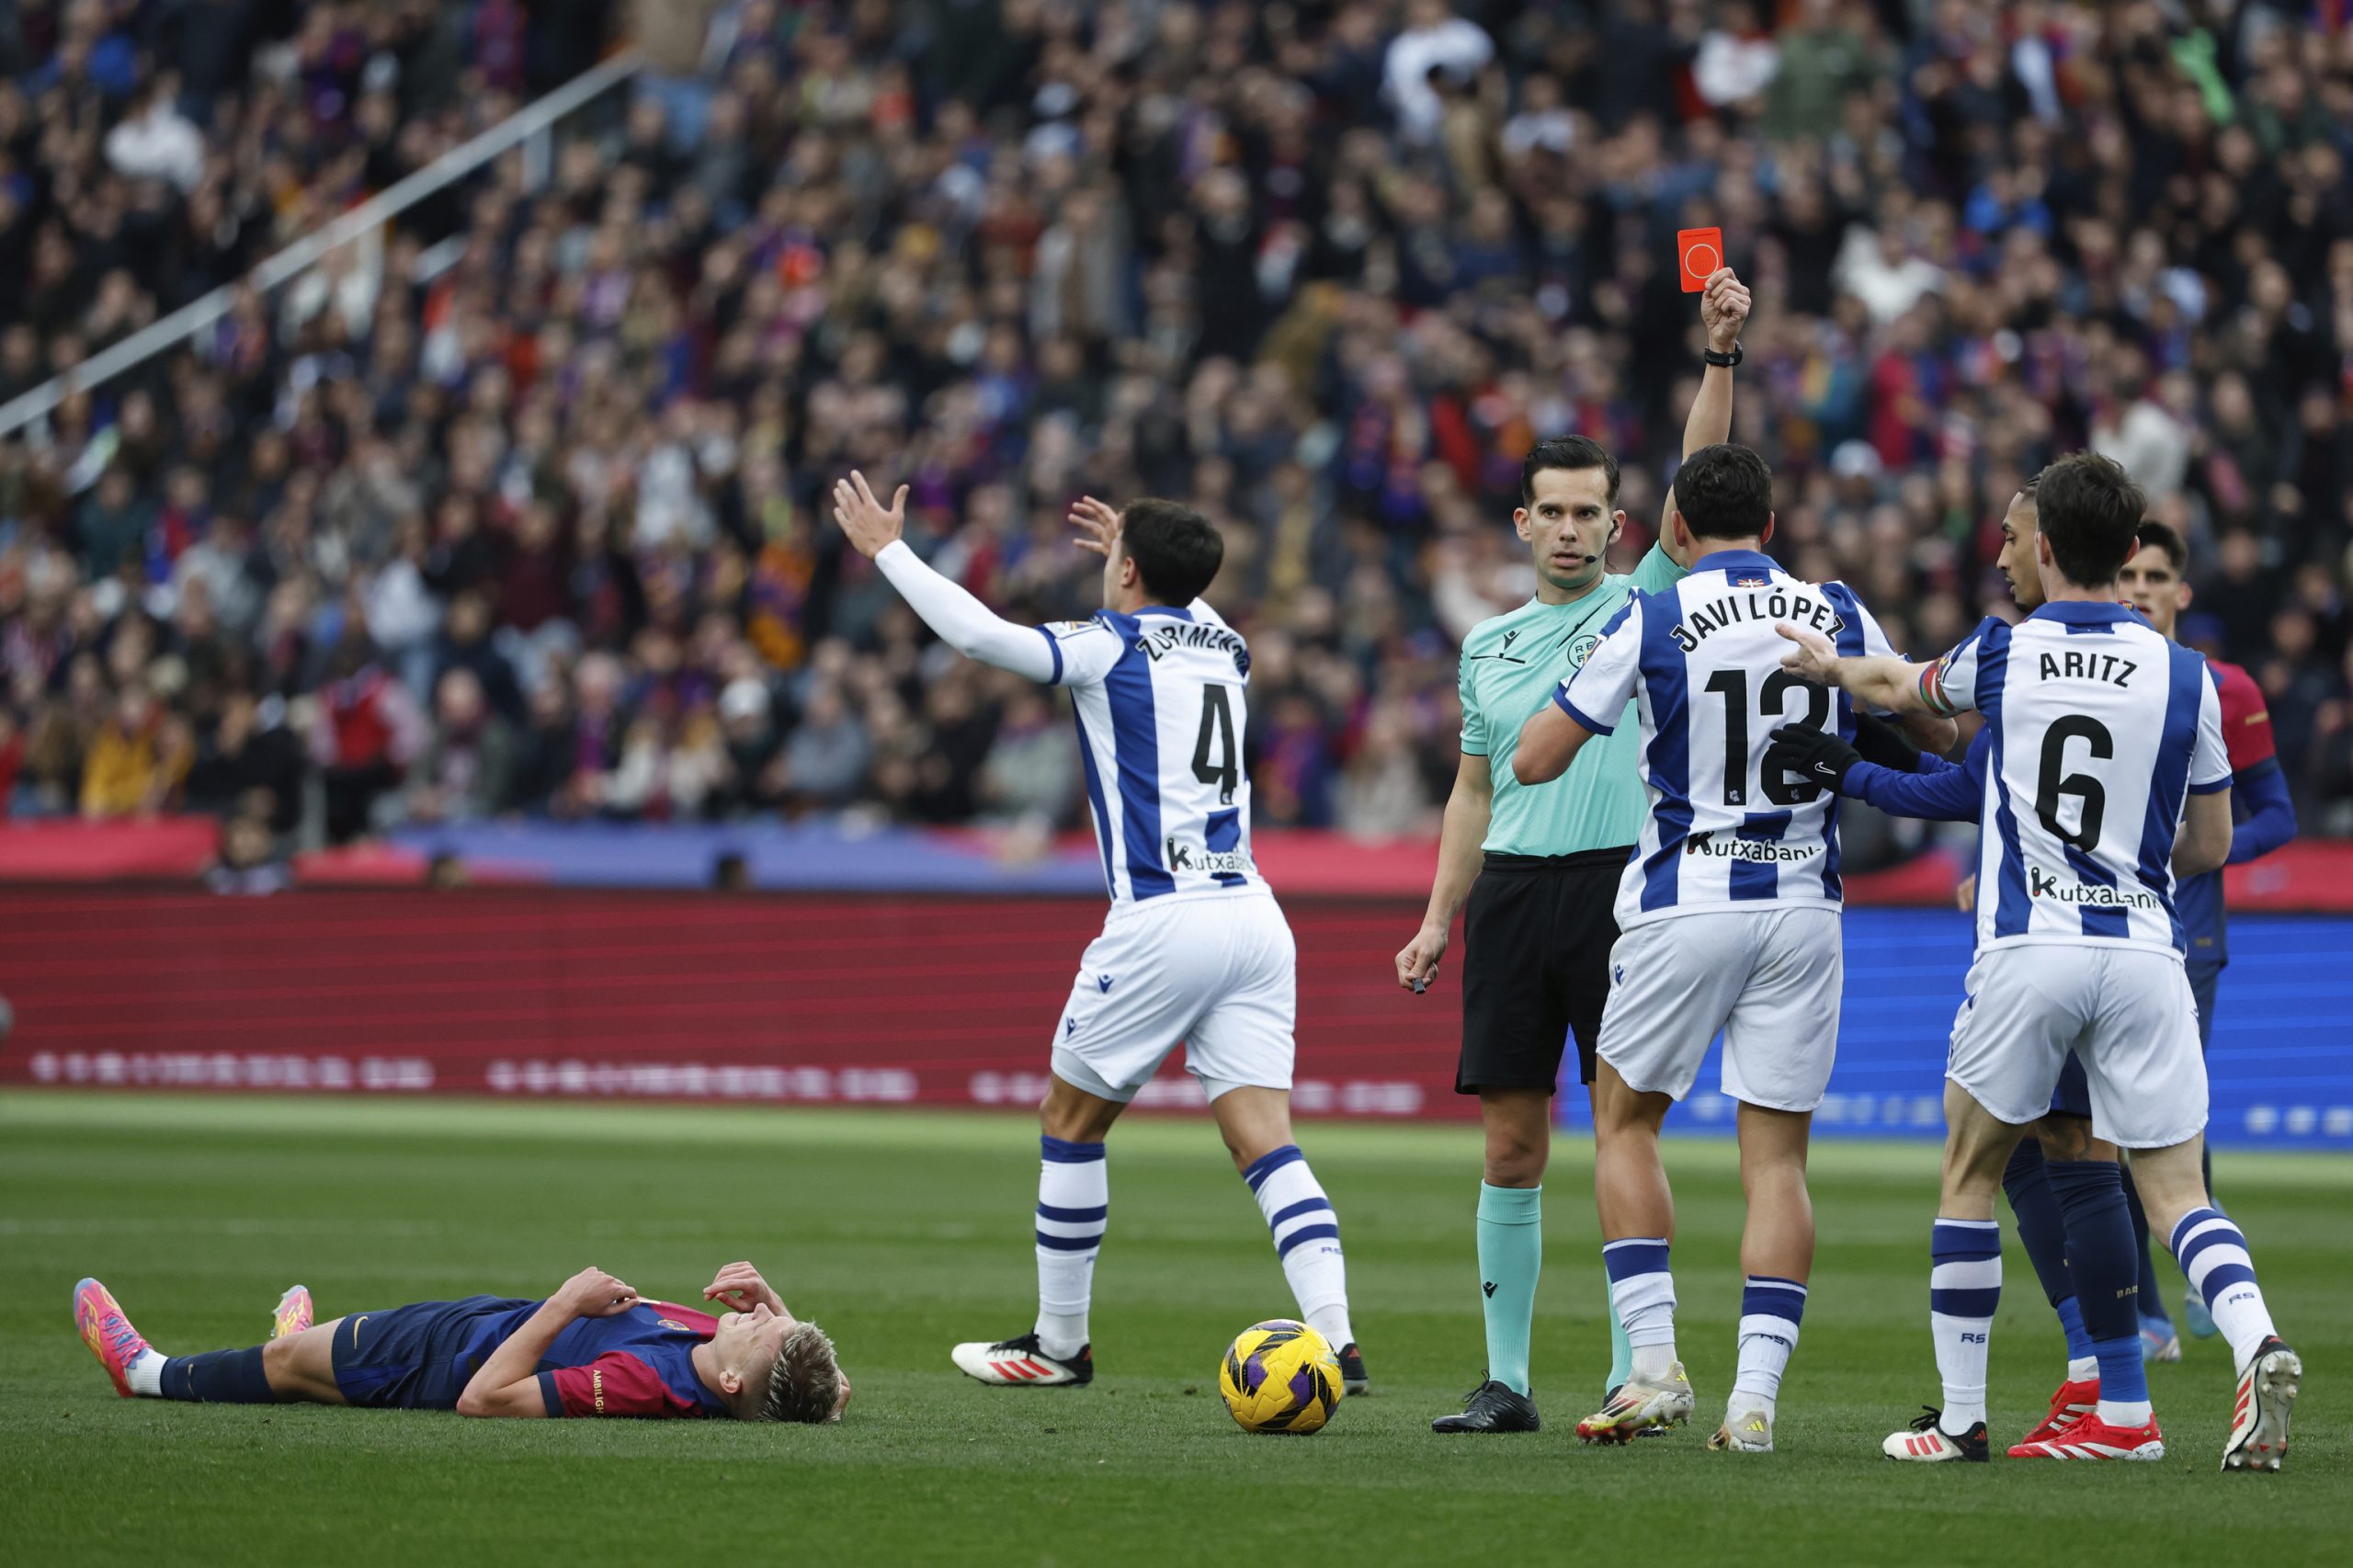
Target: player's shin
{"points": [[2213, 1254], [1965, 1287], [1074, 1206], [218, 1377], [1770, 1311], [1306, 1234], [2101, 1258], [2044, 1233], [1641, 1287], [1511, 1258]]}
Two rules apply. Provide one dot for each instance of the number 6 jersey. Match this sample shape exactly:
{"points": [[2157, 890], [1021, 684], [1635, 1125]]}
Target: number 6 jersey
{"points": [[2101, 729], [1159, 699], [1703, 663]]}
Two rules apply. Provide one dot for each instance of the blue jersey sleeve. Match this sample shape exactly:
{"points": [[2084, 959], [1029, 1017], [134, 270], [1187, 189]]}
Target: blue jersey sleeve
{"points": [[1941, 791], [2261, 792]]}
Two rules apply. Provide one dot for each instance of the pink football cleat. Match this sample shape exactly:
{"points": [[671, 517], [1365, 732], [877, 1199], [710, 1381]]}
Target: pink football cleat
{"points": [[108, 1332], [294, 1314]]}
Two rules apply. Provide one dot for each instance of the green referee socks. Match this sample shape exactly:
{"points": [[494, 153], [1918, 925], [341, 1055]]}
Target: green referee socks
{"points": [[1511, 1254]]}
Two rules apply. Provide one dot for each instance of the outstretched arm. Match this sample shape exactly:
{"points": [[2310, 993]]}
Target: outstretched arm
{"points": [[1883, 682], [962, 622], [507, 1384], [1723, 310]]}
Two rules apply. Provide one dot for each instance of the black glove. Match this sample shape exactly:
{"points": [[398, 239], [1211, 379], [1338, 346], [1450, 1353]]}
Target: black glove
{"points": [[1881, 742], [1812, 757]]}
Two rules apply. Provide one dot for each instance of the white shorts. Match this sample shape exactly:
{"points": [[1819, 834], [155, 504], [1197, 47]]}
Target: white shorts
{"points": [[1218, 974], [1769, 980], [2126, 1012]]}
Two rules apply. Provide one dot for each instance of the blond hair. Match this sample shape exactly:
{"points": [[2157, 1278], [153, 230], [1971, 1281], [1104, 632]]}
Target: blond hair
{"points": [[805, 1384]]}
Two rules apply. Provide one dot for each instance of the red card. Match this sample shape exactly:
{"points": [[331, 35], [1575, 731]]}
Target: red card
{"points": [[1699, 251]]}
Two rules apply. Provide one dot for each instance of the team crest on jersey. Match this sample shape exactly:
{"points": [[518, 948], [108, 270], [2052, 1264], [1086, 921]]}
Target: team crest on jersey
{"points": [[674, 1322]]}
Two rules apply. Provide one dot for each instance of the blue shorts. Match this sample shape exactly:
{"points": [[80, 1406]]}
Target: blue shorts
{"points": [[421, 1357], [2072, 1096]]}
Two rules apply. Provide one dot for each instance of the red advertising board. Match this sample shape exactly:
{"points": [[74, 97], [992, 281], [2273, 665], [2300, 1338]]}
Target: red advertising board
{"points": [[538, 993]]}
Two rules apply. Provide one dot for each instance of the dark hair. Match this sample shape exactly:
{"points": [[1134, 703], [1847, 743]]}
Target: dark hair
{"points": [[805, 1383], [1572, 452], [1176, 550], [1724, 492], [2090, 510], [2154, 535]]}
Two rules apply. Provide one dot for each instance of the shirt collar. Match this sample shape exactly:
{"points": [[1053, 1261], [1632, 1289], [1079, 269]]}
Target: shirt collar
{"points": [[1734, 561], [2083, 612]]}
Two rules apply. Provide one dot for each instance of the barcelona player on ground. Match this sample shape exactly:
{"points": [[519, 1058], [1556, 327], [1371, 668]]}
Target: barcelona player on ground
{"points": [[594, 1347]]}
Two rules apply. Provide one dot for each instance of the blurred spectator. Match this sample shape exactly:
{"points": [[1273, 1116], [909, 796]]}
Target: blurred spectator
{"points": [[551, 455]]}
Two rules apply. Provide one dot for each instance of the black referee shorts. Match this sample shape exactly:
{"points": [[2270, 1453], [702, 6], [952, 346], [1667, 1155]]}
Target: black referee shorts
{"points": [[1536, 969]]}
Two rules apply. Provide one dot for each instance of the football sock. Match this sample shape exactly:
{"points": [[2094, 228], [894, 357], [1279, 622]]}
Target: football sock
{"points": [[218, 1377], [2099, 1247], [145, 1374], [1073, 1204], [1769, 1311], [1965, 1287], [2082, 1360], [2123, 1381], [1307, 1238], [2213, 1254], [2150, 1299], [2040, 1230], [1621, 1353], [1642, 1289], [1511, 1255]]}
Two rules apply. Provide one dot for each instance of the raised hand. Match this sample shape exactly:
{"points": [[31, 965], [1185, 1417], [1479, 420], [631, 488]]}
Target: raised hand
{"points": [[592, 1293], [1098, 522], [1723, 309], [868, 523], [739, 1288]]}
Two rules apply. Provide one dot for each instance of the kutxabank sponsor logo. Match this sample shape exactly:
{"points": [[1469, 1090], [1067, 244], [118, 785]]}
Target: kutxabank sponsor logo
{"points": [[1717, 847], [2047, 886]]}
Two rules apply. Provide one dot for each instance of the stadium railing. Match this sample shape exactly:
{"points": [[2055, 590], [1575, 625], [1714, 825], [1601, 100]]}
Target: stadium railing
{"points": [[530, 125]]}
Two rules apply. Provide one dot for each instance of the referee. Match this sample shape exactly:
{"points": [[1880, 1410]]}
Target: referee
{"points": [[1540, 864]]}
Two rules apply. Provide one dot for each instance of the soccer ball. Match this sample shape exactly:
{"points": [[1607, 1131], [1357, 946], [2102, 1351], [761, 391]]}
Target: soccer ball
{"points": [[1279, 1376]]}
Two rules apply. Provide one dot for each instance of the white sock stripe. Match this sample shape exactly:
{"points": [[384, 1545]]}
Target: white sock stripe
{"points": [[2215, 1257], [1977, 1274], [1286, 1185], [2203, 1227], [1075, 1229], [1769, 1325]]}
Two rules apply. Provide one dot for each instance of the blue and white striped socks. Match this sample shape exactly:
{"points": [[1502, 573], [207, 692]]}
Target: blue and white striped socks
{"points": [[1642, 1289], [1770, 1311], [2213, 1257], [1965, 1287], [1306, 1234], [1073, 1204]]}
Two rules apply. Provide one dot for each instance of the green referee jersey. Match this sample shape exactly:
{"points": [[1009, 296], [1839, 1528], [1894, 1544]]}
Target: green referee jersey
{"points": [[1510, 665]]}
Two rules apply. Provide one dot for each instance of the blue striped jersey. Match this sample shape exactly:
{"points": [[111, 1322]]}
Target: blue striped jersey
{"points": [[1703, 664], [1159, 697], [2101, 730]]}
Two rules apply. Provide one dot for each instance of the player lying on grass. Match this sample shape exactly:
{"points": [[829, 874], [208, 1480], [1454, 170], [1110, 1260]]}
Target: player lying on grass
{"points": [[2108, 778], [594, 1347]]}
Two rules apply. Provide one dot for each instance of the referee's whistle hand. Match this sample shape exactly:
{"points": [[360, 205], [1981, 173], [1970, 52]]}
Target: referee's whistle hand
{"points": [[1417, 964]]}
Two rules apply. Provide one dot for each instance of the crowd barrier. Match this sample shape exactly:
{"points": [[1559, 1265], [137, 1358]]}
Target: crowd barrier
{"points": [[532, 993]]}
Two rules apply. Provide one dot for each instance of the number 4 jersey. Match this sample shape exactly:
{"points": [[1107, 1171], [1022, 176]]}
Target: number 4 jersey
{"points": [[1703, 664], [2101, 729], [1159, 699]]}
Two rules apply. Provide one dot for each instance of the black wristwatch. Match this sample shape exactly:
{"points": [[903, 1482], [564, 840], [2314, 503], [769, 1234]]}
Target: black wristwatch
{"points": [[1726, 360]]}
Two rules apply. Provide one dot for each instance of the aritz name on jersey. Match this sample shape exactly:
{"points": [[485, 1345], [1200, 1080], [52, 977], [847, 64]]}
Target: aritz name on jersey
{"points": [[2075, 664], [1763, 604], [2045, 884], [1164, 638]]}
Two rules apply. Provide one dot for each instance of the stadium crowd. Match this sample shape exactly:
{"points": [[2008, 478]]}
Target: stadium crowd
{"points": [[516, 509]]}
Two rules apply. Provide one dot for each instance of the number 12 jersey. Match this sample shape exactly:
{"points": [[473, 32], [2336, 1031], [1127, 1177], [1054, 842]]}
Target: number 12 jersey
{"points": [[1703, 663], [2101, 727]]}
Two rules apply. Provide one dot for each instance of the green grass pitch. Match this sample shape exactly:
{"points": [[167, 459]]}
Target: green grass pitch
{"points": [[903, 1231]]}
